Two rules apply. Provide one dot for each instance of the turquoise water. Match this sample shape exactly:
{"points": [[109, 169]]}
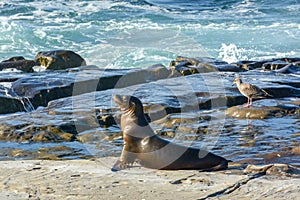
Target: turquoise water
{"points": [[135, 33]]}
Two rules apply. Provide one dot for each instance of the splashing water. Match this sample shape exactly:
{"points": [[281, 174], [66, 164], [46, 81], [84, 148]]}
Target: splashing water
{"points": [[231, 53], [26, 104], [9, 92]]}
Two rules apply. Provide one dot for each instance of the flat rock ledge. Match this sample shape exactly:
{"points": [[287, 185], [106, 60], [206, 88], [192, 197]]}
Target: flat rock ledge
{"points": [[93, 179]]}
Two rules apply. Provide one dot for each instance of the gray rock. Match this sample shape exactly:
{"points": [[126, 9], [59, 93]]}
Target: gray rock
{"points": [[40, 88], [19, 63], [187, 66]]}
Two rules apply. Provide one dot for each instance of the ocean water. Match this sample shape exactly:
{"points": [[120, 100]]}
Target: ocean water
{"points": [[133, 33]]}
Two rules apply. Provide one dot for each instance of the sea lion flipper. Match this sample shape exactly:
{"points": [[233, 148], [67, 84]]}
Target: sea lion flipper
{"points": [[118, 166], [126, 159]]}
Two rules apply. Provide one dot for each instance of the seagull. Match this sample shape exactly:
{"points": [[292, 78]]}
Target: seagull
{"points": [[250, 91]]}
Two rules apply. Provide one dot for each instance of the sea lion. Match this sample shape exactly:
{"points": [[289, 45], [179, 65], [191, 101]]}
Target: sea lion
{"points": [[142, 145]]}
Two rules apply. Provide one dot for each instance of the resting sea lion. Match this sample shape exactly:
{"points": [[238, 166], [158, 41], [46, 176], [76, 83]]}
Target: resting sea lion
{"points": [[141, 144]]}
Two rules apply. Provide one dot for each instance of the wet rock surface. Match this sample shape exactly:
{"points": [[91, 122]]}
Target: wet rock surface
{"points": [[187, 66], [282, 65], [17, 63], [74, 106], [10, 105], [261, 111], [40, 88]]}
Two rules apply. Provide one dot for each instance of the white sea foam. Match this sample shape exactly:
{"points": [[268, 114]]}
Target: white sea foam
{"points": [[231, 53]]}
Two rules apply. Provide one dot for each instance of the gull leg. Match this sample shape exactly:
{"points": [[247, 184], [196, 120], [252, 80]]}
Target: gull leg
{"points": [[250, 103], [247, 105]]}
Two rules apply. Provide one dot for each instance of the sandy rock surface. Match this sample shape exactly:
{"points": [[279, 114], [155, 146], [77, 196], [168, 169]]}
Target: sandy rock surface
{"points": [[93, 179]]}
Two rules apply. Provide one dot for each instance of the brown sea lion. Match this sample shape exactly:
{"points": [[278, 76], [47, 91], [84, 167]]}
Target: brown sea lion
{"points": [[141, 144]]}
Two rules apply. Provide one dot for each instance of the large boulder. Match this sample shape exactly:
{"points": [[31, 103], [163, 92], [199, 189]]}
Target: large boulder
{"points": [[59, 59]]}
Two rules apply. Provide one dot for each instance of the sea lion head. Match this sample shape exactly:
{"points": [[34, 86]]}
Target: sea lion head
{"points": [[129, 105], [132, 116]]}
